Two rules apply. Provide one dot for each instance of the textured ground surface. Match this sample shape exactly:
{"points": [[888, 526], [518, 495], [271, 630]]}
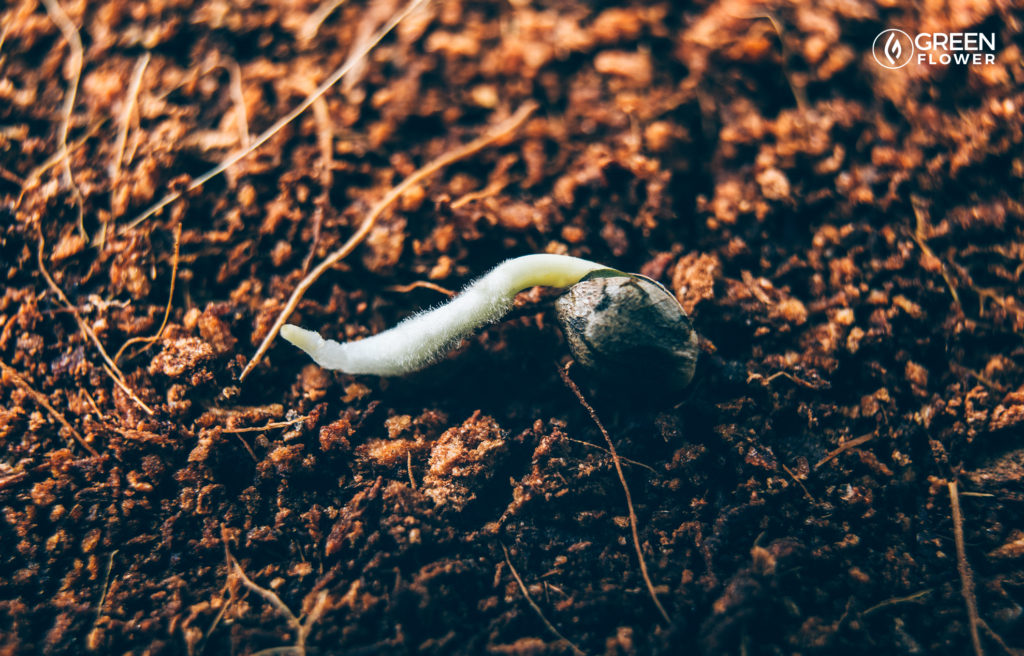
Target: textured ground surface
{"points": [[849, 241]]}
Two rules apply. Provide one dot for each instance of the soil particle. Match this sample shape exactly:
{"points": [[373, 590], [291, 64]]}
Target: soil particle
{"points": [[181, 356], [462, 460]]}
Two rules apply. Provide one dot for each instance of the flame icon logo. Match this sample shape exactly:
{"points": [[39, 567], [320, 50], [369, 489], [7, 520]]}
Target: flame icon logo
{"points": [[895, 50]]}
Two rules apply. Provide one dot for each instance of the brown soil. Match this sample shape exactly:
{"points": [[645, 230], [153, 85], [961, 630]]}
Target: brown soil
{"points": [[849, 241]]}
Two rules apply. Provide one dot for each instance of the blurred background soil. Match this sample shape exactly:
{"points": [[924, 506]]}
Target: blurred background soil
{"points": [[848, 239]]}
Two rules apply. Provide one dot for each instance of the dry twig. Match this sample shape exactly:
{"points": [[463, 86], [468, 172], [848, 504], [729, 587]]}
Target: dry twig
{"points": [[420, 284], [238, 99], [131, 102], [238, 155], [70, 32], [623, 458], [110, 366], [227, 587], [917, 597], [273, 424], [325, 139], [302, 628], [268, 595], [38, 397], [502, 129], [408, 465], [106, 588], [810, 497], [11, 177], [245, 445], [13, 479], [845, 446], [998, 639], [799, 93], [491, 189], [551, 627], [167, 311], [312, 24], [35, 174], [784, 374], [625, 488], [921, 237], [3, 35], [124, 388], [980, 377], [966, 576]]}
